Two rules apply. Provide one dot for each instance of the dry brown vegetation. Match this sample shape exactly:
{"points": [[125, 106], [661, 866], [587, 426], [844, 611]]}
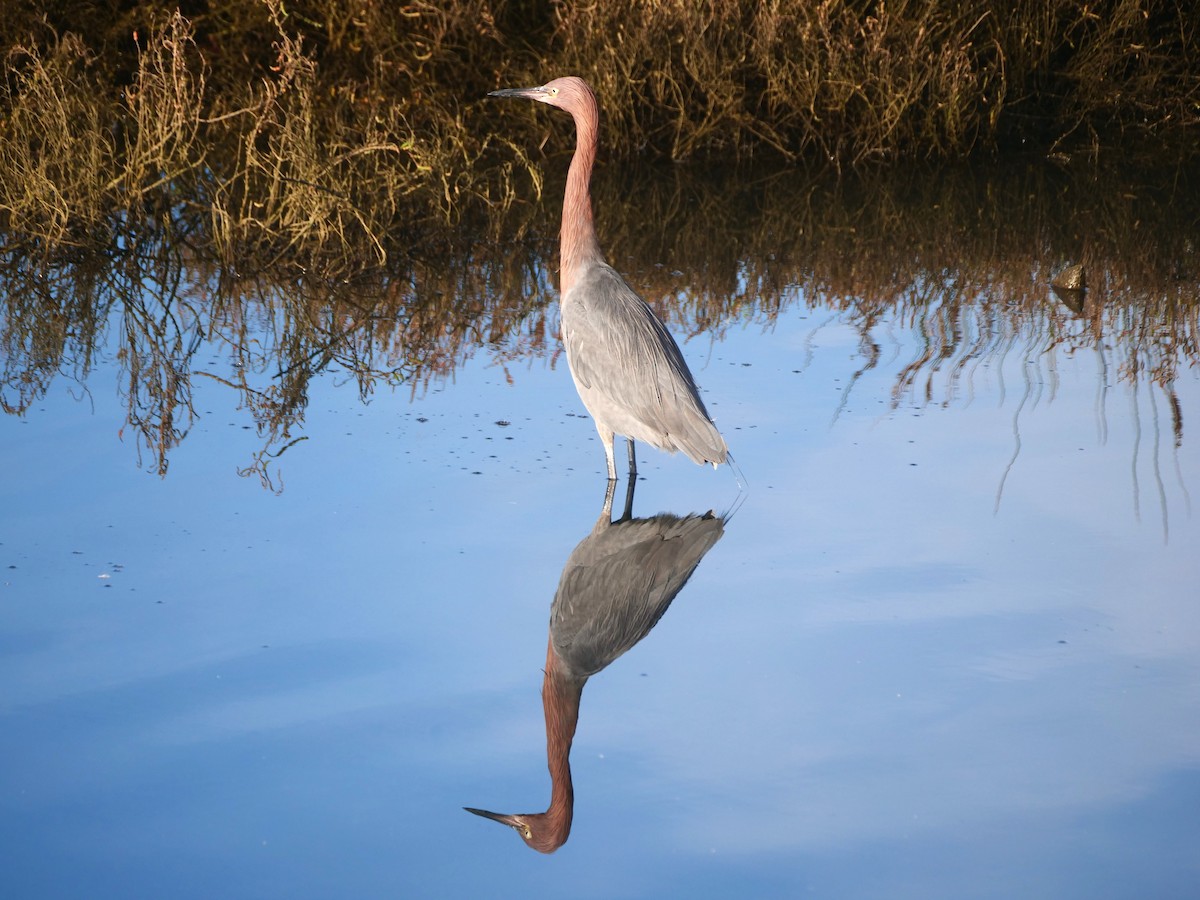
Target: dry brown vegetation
{"points": [[323, 126], [345, 120], [856, 81], [278, 160]]}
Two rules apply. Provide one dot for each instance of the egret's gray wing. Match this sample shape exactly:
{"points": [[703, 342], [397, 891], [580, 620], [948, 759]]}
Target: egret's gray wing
{"points": [[620, 580], [629, 369]]}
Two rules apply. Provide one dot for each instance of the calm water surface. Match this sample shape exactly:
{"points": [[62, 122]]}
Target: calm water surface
{"points": [[948, 644]]}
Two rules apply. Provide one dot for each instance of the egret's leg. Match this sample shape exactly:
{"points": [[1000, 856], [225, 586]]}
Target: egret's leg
{"points": [[606, 438], [632, 461], [606, 510]]}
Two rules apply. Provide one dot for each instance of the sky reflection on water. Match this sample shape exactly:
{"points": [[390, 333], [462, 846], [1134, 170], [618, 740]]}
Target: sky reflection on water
{"points": [[948, 646]]}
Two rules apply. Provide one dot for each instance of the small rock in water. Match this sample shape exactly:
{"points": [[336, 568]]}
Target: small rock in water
{"points": [[1070, 279]]}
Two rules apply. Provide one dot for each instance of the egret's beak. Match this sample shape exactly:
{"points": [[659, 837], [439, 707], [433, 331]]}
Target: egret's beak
{"points": [[510, 821], [529, 93]]}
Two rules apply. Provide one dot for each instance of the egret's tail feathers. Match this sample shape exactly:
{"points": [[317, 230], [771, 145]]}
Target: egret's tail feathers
{"points": [[701, 445]]}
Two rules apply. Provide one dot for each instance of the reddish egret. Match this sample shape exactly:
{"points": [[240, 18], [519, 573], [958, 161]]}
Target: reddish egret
{"points": [[625, 364], [616, 585]]}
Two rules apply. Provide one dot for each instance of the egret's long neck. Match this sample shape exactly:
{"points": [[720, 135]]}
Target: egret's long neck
{"points": [[577, 239], [561, 691]]}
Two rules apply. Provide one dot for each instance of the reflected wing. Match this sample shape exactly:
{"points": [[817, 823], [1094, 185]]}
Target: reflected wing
{"points": [[619, 581]]}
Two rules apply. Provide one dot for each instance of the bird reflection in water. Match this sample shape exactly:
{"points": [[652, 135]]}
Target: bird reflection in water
{"points": [[616, 585]]}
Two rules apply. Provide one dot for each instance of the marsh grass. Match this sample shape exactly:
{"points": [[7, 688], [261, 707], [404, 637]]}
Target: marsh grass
{"points": [[282, 159], [325, 126], [861, 81]]}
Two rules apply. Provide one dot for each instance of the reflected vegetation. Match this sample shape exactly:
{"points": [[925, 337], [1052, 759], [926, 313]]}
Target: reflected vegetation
{"points": [[964, 259], [616, 585]]}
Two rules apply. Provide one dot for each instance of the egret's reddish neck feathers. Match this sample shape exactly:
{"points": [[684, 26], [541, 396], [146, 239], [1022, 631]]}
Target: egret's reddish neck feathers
{"points": [[577, 239]]}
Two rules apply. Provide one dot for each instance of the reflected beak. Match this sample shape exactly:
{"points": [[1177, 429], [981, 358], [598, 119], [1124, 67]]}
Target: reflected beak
{"points": [[510, 821], [530, 93]]}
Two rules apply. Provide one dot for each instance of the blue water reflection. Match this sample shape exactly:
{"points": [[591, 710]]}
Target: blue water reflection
{"points": [[949, 647]]}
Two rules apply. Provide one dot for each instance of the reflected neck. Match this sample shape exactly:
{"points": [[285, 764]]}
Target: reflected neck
{"points": [[561, 692]]}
